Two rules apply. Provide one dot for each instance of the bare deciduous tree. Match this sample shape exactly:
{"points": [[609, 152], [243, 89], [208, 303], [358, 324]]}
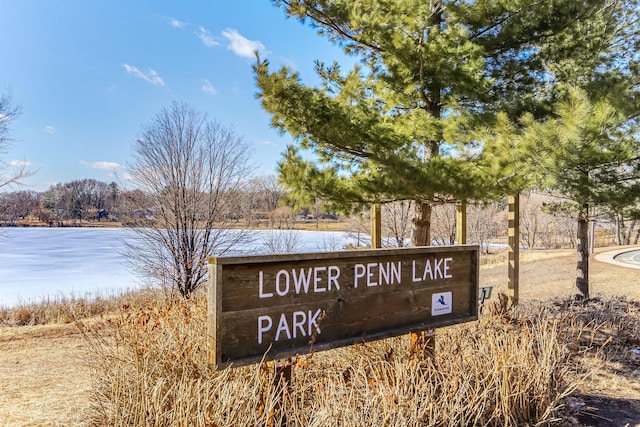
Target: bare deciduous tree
{"points": [[443, 224], [282, 241], [186, 165], [17, 205], [485, 223], [9, 173], [531, 220], [547, 222], [271, 191], [396, 223], [625, 228], [330, 243], [282, 217], [358, 229]]}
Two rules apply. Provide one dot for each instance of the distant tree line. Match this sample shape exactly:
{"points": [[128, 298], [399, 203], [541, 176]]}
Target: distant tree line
{"points": [[75, 201], [259, 200]]}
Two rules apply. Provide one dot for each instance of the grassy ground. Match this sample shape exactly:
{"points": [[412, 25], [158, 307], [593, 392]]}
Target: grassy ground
{"points": [[42, 381], [551, 273], [45, 380]]}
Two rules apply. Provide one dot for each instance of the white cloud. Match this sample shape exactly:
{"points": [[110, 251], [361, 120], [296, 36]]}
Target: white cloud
{"points": [[49, 129], [205, 36], [241, 45], [151, 76], [208, 87], [19, 163], [266, 142], [177, 24], [103, 165]]}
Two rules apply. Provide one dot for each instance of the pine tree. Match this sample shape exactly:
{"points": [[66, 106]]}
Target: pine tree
{"points": [[400, 124], [592, 157]]}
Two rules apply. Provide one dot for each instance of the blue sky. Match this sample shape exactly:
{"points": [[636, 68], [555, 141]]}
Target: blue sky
{"points": [[88, 74]]}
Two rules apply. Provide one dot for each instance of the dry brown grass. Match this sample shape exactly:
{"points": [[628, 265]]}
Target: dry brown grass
{"points": [[66, 309], [150, 366], [604, 333], [42, 382]]}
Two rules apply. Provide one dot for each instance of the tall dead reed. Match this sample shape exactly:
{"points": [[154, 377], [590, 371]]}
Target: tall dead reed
{"points": [[150, 368]]}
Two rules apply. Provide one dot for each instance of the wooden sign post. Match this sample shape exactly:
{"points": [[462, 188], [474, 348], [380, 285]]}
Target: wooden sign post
{"points": [[376, 226], [461, 223], [513, 288], [276, 306]]}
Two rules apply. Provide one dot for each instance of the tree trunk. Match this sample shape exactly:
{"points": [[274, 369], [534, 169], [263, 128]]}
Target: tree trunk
{"points": [[582, 271], [376, 226], [628, 234], [619, 229], [422, 344], [432, 95], [422, 225]]}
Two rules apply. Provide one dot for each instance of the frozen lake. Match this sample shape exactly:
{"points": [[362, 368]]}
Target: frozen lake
{"points": [[40, 262]]}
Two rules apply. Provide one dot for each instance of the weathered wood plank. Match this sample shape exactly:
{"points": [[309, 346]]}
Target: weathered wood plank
{"points": [[214, 312], [309, 280]]}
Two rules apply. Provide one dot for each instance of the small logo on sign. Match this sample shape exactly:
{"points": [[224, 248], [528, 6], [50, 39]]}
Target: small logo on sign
{"points": [[441, 303]]}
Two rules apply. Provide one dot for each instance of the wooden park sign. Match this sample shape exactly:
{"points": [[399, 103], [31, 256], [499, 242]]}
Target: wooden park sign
{"points": [[276, 306]]}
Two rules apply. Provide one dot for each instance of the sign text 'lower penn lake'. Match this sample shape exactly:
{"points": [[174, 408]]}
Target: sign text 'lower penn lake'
{"points": [[275, 306]]}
